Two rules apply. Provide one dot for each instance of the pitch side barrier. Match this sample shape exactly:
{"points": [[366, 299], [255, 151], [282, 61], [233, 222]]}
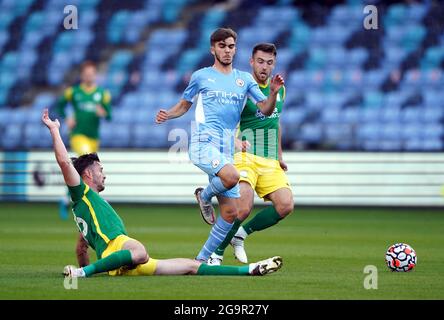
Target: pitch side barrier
{"points": [[355, 179]]}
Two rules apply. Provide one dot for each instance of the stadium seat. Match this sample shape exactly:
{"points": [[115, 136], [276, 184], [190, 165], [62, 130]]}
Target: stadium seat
{"points": [[336, 73]]}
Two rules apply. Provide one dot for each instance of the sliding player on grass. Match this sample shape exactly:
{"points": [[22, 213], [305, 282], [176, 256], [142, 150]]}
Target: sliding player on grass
{"points": [[103, 230]]}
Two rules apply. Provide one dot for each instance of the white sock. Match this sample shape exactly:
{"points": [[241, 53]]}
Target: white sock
{"points": [[80, 272], [241, 233]]}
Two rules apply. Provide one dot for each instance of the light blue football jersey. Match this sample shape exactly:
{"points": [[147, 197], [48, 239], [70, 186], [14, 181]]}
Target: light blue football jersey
{"points": [[219, 99]]}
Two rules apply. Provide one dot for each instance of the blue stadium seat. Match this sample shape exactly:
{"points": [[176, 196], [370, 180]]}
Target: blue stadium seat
{"points": [[394, 55], [18, 116], [130, 101], [390, 145], [64, 42], [267, 16], [189, 60], [12, 137], [390, 114], [123, 116], [339, 135], [117, 26], [317, 59], [3, 38], [411, 114], [392, 131], [433, 98], [433, 131], [396, 15], [369, 131], [341, 89], [88, 18], [338, 35], [433, 145], [121, 136], [44, 100], [373, 99], [5, 19], [417, 11], [151, 136], [34, 116], [297, 79], [432, 79], [337, 57], [31, 40], [433, 57], [356, 57], [320, 37], [32, 135], [331, 115], [294, 116], [120, 60], [311, 133], [412, 131], [433, 114], [350, 114], [300, 37], [369, 115], [414, 144], [413, 36], [353, 78], [373, 79]]}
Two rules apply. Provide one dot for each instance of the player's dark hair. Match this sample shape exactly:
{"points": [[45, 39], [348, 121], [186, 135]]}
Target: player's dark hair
{"points": [[265, 47], [83, 162], [221, 34], [86, 64]]}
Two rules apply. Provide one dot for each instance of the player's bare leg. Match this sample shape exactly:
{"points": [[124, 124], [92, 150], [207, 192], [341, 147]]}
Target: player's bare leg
{"points": [[139, 254], [283, 204], [226, 178]]}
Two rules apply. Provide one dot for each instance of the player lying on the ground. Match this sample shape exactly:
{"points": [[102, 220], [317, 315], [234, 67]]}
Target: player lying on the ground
{"points": [[102, 229]]}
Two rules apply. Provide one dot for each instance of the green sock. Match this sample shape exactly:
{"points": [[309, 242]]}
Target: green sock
{"points": [[262, 220], [206, 270], [221, 249], [113, 261]]}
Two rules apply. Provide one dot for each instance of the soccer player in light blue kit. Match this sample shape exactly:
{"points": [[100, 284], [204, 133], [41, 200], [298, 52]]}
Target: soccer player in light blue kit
{"points": [[220, 94]]}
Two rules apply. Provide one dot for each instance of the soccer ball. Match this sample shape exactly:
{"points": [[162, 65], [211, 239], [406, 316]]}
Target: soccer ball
{"points": [[400, 257]]}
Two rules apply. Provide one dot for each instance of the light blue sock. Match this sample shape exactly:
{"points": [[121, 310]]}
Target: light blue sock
{"points": [[215, 187], [217, 235]]}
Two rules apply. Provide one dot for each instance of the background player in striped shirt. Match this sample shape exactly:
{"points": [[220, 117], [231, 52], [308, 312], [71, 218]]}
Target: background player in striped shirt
{"points": [[91, 103]]}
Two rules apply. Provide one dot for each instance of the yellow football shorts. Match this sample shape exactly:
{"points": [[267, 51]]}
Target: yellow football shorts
{"points": [[82, 144], [264, 175], [116, 244]]}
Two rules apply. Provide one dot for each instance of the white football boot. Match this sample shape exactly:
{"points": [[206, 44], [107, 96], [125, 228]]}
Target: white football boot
{"points": [[266, 266]]}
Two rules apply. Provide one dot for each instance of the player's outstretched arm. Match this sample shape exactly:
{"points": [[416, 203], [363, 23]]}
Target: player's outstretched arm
{"points": [[176, 111], [70, 174], [82, 251], [267, 106]]}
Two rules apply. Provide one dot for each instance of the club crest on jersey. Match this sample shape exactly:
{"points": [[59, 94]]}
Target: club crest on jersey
{"points": [[243, 173], [240, 82], [215, 163], [97, 96]]}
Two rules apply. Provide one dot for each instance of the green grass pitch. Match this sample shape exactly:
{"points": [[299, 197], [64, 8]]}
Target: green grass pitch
{"points": [[324, 251]]}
